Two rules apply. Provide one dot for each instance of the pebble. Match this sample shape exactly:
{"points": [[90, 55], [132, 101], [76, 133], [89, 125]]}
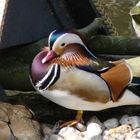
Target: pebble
{"points": [[55, 137], [134, 121], [118, 133], [126, 128], [97, 138], [134, 135], [111, 123], [70, 133], [93, 130], [121, 129], [94, 119], [120, 136], [46, 130], [124, 119], [81, 127]]}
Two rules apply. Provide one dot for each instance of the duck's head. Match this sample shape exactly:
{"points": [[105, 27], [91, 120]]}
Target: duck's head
{"points": [[65, 45]]}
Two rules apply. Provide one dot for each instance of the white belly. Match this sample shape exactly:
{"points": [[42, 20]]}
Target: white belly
{"points": [[72, 102], [93, 85]]}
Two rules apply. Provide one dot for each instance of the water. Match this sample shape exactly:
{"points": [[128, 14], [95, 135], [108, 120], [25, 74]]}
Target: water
{"points": [[118, 11]]}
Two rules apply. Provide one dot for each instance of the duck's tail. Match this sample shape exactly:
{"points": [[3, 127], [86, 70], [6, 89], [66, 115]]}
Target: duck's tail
{"points": [[135, 66], [134, 63]]}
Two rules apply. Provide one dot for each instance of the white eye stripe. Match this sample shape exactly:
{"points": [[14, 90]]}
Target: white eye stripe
{"points": [[67, 38], [70, 38]]}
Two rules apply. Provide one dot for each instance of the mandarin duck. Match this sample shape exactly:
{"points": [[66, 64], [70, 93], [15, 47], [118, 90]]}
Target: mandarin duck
{"points": [[69, 74]]}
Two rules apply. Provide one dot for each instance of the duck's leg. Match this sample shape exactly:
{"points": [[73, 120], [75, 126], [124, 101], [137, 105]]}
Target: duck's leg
{"points": [[77, 119]]}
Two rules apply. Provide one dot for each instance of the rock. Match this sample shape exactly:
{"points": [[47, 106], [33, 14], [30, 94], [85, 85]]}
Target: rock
{"points": [[3, 114], [5, 132], [99, 137], [125, 120], [47, 130], [106, 136], [133, 121], [93, 130], [16, 121], [22, 111], [115, 137], [138, 133], [120, 136], [111, 123], [57, 126], [94, 119], [22, 125], [55, 137], [70, 133], [118, 133], [121, 129], [81, 127], [134, 135]]}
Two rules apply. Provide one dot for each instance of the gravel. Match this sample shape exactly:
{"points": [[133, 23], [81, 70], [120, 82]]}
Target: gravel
{"points": [[125, 128]]}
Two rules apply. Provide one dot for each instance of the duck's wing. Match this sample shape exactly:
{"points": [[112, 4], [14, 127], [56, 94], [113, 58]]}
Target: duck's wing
{"points": [[117, 75], [93, 64], [96, 65], [118, 78]]}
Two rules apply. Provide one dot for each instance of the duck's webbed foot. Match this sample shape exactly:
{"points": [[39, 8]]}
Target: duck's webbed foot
{"points": [[77, 119]]}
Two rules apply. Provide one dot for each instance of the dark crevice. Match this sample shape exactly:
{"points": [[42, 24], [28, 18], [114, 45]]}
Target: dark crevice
{"points": [[55, 14], [81, 12]]}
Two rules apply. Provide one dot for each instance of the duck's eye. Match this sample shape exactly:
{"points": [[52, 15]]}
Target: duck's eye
{"points": [[63, 44]]}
